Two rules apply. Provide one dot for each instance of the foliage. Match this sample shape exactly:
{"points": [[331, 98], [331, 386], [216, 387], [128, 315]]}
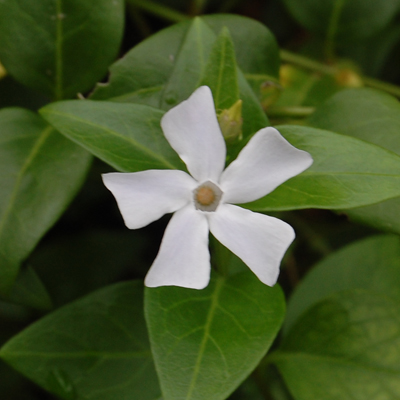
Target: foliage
{"points": [[75, 318]]}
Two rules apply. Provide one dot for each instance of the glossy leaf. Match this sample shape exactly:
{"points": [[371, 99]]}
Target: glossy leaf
{"points": [[345, 347], [41, 171], [346, 172], [355, 18], [60, 47], [206, 342], [126, 136], [96, 347], [221, 72], [373, 116], [130, 80], [189, 64], [372, 264]]}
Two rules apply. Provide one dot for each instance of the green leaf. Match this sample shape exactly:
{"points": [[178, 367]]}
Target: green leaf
{"points": [[189, 65], [96, 347], [346, 172], [221, 72], [355, 19], [346, 347], [60, 47], [373, 116], [206, 342], [126, 136], [372, 264], [143, 73], [41, 172]]}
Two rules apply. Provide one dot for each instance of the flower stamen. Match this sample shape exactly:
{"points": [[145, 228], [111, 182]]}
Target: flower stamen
{"points": [[207, 196]]}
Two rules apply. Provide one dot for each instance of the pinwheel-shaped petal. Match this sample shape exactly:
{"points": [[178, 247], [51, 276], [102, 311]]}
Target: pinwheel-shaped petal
{"points": [[203, 201]]}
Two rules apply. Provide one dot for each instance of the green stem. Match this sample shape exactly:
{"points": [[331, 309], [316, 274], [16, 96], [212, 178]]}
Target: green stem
{"points": [[306, 62], [161, 11], [313, 65], [332, 30], [293, 112], [384, 86]]}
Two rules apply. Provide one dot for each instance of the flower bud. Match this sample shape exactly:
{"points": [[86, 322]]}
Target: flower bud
{"points": [[348, 77], [230, 121]]}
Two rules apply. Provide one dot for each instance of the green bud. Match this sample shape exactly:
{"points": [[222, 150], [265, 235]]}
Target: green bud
{"points": [[230, 121]]}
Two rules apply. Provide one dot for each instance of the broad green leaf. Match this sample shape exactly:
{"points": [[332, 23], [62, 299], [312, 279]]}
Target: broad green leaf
{"points": [[41, 172], [144, 71], [60, 47], [254, 117], [373, 116], [346, 172], [221, 72], [126, 136], [372, 264], [260, 59], [189, 64], [228, 85], [346, 347], [355, 19], [95, 348], [206, 342]]}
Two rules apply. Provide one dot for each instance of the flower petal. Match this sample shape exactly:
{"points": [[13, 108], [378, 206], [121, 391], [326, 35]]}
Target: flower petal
{"points": [[144, 197], [258, 240], [184, 258], [265, 162], [192, 130]]}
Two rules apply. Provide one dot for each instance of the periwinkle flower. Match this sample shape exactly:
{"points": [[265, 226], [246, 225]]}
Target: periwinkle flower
{"points": [[204, 200]]}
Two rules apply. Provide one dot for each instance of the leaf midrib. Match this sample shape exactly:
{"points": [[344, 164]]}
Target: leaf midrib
{"points": [[28, 162], [207, 327], [128, 139]]}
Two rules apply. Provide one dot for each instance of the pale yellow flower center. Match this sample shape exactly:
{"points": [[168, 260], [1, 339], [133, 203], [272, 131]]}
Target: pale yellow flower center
{"points": [[205, 196]]}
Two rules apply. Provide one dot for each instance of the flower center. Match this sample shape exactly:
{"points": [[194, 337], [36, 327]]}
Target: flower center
{"points": [[207, 196]]}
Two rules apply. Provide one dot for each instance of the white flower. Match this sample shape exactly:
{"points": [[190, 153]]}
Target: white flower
{"points": [[203, 201]]}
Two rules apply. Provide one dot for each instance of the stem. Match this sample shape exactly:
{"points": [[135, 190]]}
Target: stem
{"points": [[313, 65], [306, 62], [161, 11], [296, 111], [332, 30], [385, 86]]}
